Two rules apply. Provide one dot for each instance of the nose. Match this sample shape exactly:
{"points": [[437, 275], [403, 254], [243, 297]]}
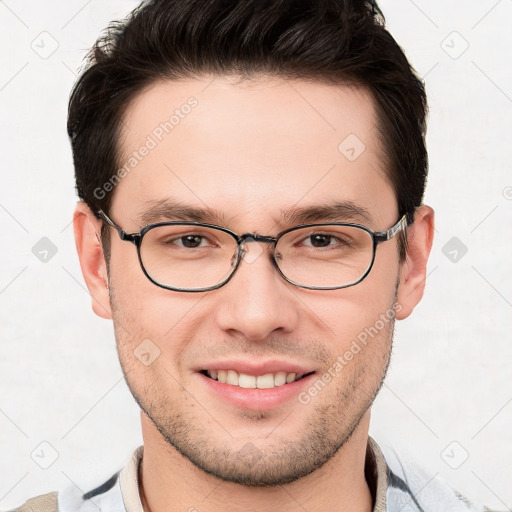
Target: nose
{"points": [[257, 302]]}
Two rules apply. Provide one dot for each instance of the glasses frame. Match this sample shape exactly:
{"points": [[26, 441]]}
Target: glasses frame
{"points": [[377, 237]]}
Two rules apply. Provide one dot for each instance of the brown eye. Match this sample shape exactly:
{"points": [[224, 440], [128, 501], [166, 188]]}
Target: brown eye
{"points": [[191, 241], [320, 240]]}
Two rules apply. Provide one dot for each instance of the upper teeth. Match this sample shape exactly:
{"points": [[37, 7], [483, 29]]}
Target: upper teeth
{"points": [[269, 380]]}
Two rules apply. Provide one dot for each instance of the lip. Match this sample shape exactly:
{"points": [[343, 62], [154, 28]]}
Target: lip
{"points": [[254, 368], [256, 399]]}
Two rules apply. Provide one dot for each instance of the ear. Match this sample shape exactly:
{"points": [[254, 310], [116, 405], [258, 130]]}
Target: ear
{"points": [[92, 260], [413, 270]]}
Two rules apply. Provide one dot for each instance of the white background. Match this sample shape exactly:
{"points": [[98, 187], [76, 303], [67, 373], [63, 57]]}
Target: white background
{"points": [[448, 394]]}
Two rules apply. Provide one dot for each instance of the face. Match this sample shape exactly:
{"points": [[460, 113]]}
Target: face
{"points": [[253, 154]]}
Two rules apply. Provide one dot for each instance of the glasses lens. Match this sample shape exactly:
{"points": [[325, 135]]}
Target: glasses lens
{"points": [[188, 257], [325, 256]]}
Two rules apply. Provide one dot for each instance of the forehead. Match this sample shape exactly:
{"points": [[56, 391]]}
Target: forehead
{"points": [[251, 149]]}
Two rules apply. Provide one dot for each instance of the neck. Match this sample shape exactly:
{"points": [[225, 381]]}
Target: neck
{"points": [[169, 482]]}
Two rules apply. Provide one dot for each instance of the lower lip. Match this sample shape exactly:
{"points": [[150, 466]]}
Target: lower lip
{"points": [[257, 399]]}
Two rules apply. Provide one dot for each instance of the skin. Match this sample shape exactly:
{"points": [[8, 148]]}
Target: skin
{"points": [[251, 150]]}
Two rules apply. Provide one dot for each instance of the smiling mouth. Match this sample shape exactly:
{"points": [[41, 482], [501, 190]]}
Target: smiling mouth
{"points": [[243, 380]]}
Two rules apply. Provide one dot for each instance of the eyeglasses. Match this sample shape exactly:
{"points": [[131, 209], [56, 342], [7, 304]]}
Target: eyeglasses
{"points": [[197, 257]]}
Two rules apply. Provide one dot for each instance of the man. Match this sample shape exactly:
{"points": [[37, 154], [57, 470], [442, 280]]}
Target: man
{"points": [[251, 178]]}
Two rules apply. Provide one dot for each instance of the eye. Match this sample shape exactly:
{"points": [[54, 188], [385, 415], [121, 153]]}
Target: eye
{"points": [[320, 240], [190, 241]]}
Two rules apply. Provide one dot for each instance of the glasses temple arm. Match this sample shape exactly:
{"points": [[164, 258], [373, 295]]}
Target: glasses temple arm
{"points": [[405, 221], [122, 234]]}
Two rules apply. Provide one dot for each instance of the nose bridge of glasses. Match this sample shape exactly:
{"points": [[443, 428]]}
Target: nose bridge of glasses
{"points": [[254, 237], [257, 249]]}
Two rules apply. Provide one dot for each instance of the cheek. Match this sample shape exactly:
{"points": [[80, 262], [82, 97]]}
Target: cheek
{"points": [[147, 316], [345, 313], [136, 300], [356, 323], [379, 288]]}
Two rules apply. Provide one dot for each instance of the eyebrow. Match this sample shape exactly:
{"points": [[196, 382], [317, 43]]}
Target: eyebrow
{"points": [[339, 211], [170, 210]]}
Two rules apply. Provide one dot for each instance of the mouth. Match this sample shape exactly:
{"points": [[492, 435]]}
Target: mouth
{"points": [[246, 381]]}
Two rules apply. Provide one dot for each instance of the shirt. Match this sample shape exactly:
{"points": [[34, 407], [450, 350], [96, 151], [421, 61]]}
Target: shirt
{"points": [[396, 486]]}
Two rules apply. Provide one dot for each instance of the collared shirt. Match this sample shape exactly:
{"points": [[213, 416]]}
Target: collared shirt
{"points": [[395, 485]]}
